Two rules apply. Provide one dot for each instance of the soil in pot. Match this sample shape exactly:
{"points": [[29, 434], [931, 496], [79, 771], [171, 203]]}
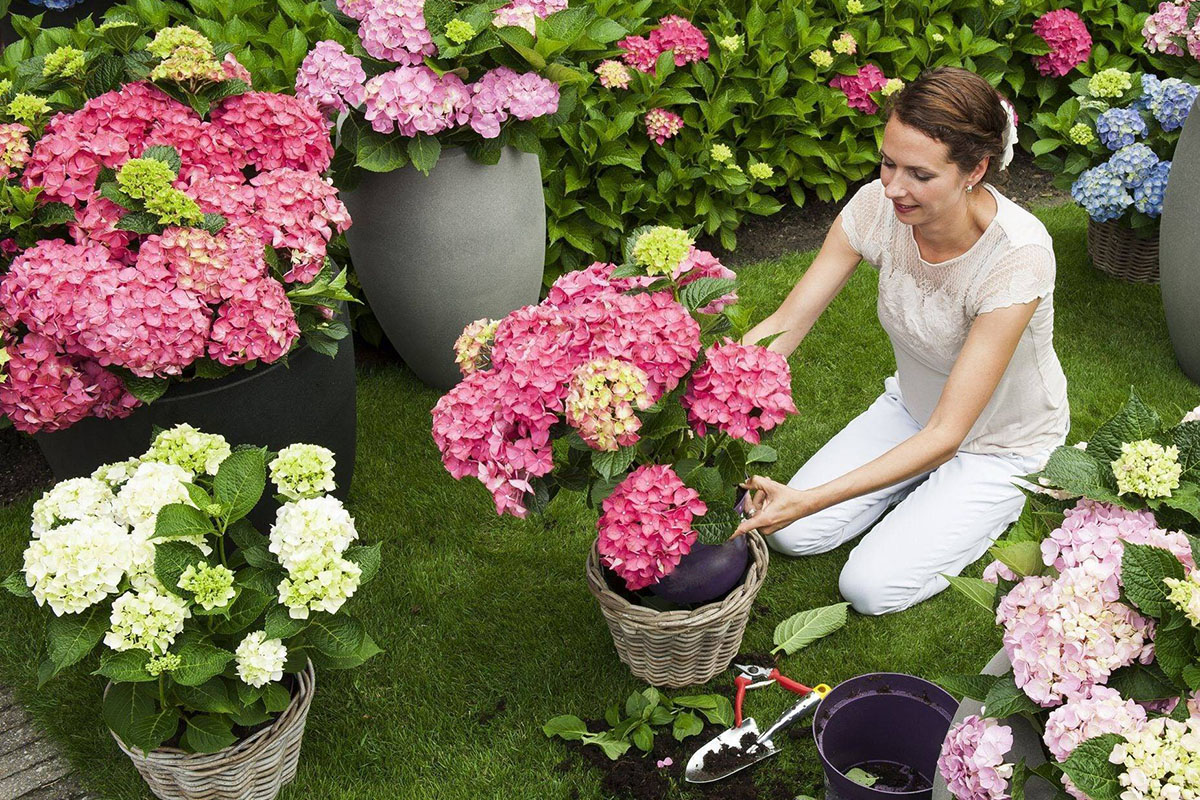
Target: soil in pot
{"points": [[644, 597]]}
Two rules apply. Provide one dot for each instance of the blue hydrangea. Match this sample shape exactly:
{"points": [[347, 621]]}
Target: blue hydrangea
{"points": [[56, 5], [1148, 195], [1120, 127], [1151, 86], [1101, 194], [1132, 164], [1172, 103]]}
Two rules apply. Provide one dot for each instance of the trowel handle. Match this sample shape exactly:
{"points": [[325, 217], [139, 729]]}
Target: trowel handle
{"points": [[788, 683], [797, 712]]}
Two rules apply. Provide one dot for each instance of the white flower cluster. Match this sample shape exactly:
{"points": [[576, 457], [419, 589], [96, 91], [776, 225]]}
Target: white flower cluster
{"points": [[1191, 416], [319, 585], [190, 449], [76, 565], [1161, 761], [116, 474], [260, 660], [303, 470], [212, 585], [1185, 594], [152, 486], [1147, 468], [74, 499], [312, 529], [148, 618]]}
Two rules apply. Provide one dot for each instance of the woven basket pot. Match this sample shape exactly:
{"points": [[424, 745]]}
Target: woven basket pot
{"points": [[679, 648], [1117, 251], [255, 768]]}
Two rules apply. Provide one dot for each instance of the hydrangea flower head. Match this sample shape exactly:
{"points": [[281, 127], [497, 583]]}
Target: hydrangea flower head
{"points": [[212, 585], [682, 38], [661, 249], [1101, 193], [313, 528], [460, 31], [639, 53], [972, 759], [1102, 711], [14, 149], [64, 62], [303, 470], [260, 660], [1151, 86], [602, 399], [1161, 760], [319, 585], [185, 446], [1070, 43], [721, 153], [277, 130], [1117, 127], [854, 6], [1148, 195], [821, 57], [731, 43], [1081, 133], [516, 15], [1147, 468], [1131, 164], [258, 325], [703, 264], [845, 44], [1185, 595], [148, 618], [1110, 83], [1172, 102], [742, 390], [414, 99], [395, 31], [153, 485], [584, 285], [331, 79], [662, 124], [892, 86], [858, 87], [299, 211], [70, 500], [143, 178], [76, 565], [170, 39], [760, 171], [28, 108], [473, 348], [646, 525], [1164, 26], [167, 662], [613, 74]]}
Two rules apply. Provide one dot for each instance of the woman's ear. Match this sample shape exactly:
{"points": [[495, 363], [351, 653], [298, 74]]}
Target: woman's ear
{"points": [[980, 170]]}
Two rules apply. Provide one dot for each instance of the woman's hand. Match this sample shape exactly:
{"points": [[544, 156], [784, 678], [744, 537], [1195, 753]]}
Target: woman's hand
{"points": [[773, 505]]}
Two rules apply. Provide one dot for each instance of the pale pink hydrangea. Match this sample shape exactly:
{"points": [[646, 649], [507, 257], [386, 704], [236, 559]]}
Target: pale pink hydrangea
{"points": [[602, 400], [684, 39], [299, 211], [261, 327], [703, 264], [1070, 43], [858, 87], [1166, 24], [473, 347], [233, 70], [14, 149], [1064, 636], [972, 759], [331, 78], [1082, 718], [516, 15], [230, 197], [587, 284], [646, 525], [531, 95], [662, 124], [613, 74], [96, 221], [276, 130], [395, 31], [500, 92], [544, 8], [741, 390], [639, 53], [355, 9], [46, 390], [412, 100]]}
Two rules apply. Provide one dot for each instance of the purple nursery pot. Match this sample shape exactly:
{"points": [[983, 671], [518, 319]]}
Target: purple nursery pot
{"points": [[888, 724], [706, 573]]}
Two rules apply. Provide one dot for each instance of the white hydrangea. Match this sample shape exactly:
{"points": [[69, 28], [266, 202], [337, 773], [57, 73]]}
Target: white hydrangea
{"points": [[1147, 468], [152, 486], [189, 448], [312, 529], [212, 585], [1161, 761], [76, 565], [116, 474], [1185, 595], [1191, 416], [260, 660], [70, 500], [319, 585], [303, 470], [146, 619]]}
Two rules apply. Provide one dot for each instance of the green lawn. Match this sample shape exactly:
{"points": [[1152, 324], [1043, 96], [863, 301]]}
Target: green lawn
{"points": [[472, 609]]}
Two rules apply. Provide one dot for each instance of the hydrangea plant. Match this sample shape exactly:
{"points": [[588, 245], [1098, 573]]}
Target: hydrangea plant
{"points": [[197, 615], [623, 384], [1097, 596]]}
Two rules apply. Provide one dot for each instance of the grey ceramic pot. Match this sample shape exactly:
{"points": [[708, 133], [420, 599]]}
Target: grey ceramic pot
{"points": [[1026, 742], [436, 252], [1178, 243]]}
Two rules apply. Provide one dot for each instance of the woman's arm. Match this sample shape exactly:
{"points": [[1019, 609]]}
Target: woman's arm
{"points": [[824, 278], [989, 347]]}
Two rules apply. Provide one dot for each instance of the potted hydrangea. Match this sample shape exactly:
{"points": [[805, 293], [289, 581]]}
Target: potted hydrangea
{"points": [[1112, 146], [1097, 596], [160, 222], [623, 384], [208, 630]]}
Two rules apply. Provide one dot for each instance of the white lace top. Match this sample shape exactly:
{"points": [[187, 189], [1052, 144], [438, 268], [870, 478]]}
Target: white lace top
{"points": [[927, 310]]}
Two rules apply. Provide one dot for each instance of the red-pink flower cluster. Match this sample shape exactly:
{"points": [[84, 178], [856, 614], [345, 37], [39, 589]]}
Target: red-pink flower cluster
{"points": [[299, 211], [1069, 41], [646, 525], [662, 124], [858, 87], [742, 390], [277, 130], [674, 33], [587, 284]]}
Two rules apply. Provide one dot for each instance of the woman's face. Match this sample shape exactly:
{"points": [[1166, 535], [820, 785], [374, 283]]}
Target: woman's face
{"points": [[919, 179]]}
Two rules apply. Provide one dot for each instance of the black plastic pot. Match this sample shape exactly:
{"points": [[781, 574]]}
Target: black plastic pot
{"points": [[52, 19]]}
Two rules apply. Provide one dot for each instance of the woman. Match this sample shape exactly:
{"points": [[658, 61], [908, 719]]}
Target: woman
{"points": [[966, 280]]}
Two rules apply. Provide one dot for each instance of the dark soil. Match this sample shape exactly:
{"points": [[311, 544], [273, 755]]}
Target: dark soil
{"points": [[22, 468], [729, 757], [893, 777]]}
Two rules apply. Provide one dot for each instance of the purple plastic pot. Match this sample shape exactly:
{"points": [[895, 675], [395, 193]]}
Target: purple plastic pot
{"points": [[888, 724], [706, 573]]}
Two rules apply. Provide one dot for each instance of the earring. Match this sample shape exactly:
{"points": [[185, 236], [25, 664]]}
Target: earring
{"points": [[970, 187]]}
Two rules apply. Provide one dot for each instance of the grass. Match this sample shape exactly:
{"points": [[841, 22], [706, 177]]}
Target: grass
{"points": [[478, 613]]}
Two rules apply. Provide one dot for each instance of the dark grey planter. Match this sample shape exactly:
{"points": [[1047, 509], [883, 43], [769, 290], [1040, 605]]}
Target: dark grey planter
{"points": [[435, 253], [1178, 245], [1027, 744]]}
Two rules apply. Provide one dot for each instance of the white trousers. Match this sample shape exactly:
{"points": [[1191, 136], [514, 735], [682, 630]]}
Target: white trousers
{"points": [[943, 520]]}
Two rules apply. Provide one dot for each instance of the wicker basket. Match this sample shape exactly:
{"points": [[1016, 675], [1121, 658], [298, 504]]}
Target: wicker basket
{"points": [[1117, 251], [253, 769], [679, 648]]}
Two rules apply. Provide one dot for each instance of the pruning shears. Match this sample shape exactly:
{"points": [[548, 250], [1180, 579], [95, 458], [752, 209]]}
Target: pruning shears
{"points": [[756, 677]]}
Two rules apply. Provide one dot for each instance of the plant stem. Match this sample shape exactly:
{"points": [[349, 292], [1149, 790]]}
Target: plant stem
{"points": [[162, 691]]}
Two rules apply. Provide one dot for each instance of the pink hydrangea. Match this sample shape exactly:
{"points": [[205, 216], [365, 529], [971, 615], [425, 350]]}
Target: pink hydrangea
{"points": [[542, 347], [639, 53], [1166, 24], [531, 95], [299, 211], [14, 149], [1063, 636], [972, 759], [998, 570], [501, 91], [858, 87], [130, 113], [96, 221], [228, 196], [681, 37], [646, 525], [741, 390], [662, 124], [234, 70], [276, 130], [46, 390], [67, 166], [412, 100], [703, 264], [651, 330], [202, 263], [602, 400], [525, 13], [204, 149], [355, 9], [1070, 43], [613, 74], [1082, 718], [259, 327], [583, 285], [395, 31], [331, 78]]}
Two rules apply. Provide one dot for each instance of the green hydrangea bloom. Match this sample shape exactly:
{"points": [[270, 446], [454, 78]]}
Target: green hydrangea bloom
{"points": [[854, 6], [303, 470], [892, 86], [5, 86], [212, 585], [4, 359], [731, 43], [168, 40], [28, 108], [760, 171], [460, 31], [661, 248], [173, 207], [1147, 468], [66, 62], [938, 37], [167, 662], [144, 178], [189, 448], [188, 64], [1081, 133], [1110, 83], [721, 153], [822, 58]]}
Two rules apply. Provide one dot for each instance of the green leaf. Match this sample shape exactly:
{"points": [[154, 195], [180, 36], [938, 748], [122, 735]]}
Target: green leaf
{"points": [[246, 609], [977, 590], [380, 153], [862, 777], [1142, 682], [207, 733], [54, 214], [1134, 422], [1005, 699], [166, 154], [211, 696], [367, 650], [1173, 648], [1074, 470], [199, 662], [975, 687], [250, 715], [806, 627], [715, 707], [146, 389], [149, 732], [762, 454], [367, 558], [276, 698], [280, 625], [424, 151], [126, 666], [613, 747], [1089, 768], [15, 584], [611, 463], [686, 724], [567, 727], [339, 636], [703, 291], [259, 557], [70, 637], [177, 520], [716, 525], [1142, 571], [643, 738], [170, 561], [1023, 558], [240, 481], [126, 703], [1191, 676]]}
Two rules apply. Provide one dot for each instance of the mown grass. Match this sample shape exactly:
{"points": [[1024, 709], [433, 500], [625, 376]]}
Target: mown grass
{"points": [[478, 613]]}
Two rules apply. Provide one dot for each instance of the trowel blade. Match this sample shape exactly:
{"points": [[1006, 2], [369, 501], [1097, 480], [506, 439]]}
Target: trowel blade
{"points": [[732, 739]]}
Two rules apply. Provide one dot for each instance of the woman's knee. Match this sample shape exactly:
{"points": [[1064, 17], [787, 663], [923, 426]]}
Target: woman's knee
{"points": [[869, 591], [807, 537]]}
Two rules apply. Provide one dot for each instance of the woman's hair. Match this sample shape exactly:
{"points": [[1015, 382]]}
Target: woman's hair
{"points": [[959, 109]]}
